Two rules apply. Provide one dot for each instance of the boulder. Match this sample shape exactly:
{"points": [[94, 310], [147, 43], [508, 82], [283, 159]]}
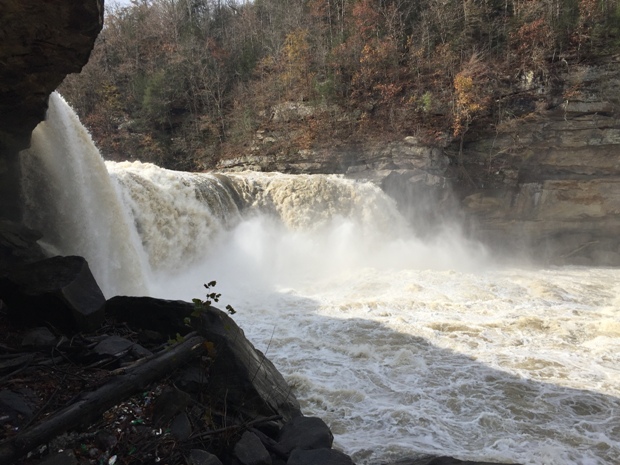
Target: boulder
{"points": [[16, 405], [239, 374], [181, 427], [249, 450], [202, 457], [39, 338], [305, 433], [166, 317], [18, 244], [58, 290]]}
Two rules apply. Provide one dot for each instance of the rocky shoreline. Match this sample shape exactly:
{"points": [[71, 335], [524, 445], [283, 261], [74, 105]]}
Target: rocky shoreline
{"points": [[141, 380]]}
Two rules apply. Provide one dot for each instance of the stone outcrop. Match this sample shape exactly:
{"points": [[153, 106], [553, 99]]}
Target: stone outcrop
{"points": [[544, 184], [550, 183], [42, 42], [240, 374], [58, 290]]}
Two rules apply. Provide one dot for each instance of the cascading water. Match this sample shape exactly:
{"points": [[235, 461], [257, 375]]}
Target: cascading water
{"points": [[68, 196], [404, 346]]}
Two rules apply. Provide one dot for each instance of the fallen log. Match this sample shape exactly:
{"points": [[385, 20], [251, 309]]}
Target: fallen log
{"points": [[95, 403]]}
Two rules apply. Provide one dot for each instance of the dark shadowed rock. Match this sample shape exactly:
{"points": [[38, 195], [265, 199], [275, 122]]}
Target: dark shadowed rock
{"points": [[166, 317], [239, 375], [305, 433], [319, 457], [181, 427], [59, 290], [42, 42], [18, 244], [249, 450], [113, 345], [202, 457], [14, 404], [169, 403], [193, 379], [39, 337]]}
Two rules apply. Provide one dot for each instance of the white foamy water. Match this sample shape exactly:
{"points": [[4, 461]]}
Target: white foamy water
{"points": [[70, 199], [403, 346]]}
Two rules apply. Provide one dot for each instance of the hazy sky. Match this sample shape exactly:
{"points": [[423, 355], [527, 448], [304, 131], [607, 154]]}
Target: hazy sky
{"points": [[118, 2]]}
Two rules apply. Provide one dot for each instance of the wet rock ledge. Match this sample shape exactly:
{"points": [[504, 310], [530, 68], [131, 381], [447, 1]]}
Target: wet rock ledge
{"points": [[137, 380]]}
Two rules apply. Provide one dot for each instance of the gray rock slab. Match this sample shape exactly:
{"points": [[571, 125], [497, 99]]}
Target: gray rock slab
{"points": [[202, 457], [39, 337], [239, 373], [113, 345], [305, 433], [181, 427], [249, 450], [59, 290]]}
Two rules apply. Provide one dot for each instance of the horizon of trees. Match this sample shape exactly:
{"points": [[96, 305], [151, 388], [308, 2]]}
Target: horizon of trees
{"points": [[183, 83]]}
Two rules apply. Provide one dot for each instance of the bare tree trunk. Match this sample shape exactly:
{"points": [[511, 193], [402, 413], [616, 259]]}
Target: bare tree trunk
{"points": [[461, 159]]}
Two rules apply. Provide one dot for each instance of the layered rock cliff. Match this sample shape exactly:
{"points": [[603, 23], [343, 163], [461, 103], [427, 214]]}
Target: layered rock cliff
{"points": [[551, 182], [546, 183]]}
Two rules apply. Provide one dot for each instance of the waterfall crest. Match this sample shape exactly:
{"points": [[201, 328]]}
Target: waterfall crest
{"points": [[69, 197], [274, 227], [139, 225]]}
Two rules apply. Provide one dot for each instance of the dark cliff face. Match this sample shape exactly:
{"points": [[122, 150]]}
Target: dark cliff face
{"points": [[42, 42]]}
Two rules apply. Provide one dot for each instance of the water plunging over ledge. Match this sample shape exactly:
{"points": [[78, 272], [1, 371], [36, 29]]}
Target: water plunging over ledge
{"points": [[402, 345]]}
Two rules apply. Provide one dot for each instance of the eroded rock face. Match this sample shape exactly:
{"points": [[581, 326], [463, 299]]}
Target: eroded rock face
{"points": [[553, 181], [546, 185], [42, 42]]}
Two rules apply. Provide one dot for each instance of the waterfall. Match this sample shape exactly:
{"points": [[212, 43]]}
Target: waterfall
{"points": [[404, 343], [272, 227], [69, 197]]}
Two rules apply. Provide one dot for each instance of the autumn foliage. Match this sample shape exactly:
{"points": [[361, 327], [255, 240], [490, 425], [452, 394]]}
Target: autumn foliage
{"points": [[186, 82]]}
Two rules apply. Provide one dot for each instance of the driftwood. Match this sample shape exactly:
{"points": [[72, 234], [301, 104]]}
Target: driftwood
{"points": [[94, 403]]}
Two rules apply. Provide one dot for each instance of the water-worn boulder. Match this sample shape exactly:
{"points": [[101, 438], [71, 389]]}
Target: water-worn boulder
{"points": [[239, 375], [249, 450], [305, 433], [59, 290]]}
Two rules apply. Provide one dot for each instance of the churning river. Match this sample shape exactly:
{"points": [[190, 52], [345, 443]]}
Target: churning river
{"points": [[404, 346]]}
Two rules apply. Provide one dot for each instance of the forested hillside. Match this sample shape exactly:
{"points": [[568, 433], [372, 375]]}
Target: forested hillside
{"points": [[184, 83]]}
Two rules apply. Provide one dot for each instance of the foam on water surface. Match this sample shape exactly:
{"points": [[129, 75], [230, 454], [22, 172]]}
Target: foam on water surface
{"points": [[403, 345]]}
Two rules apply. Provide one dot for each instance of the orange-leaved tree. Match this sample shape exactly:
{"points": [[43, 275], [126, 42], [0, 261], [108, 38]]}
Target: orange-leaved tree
{"points": [[471, 99]]}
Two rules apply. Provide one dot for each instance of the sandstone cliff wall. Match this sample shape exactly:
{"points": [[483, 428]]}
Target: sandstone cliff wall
{"points": [[545, 185], [553, 180]]}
